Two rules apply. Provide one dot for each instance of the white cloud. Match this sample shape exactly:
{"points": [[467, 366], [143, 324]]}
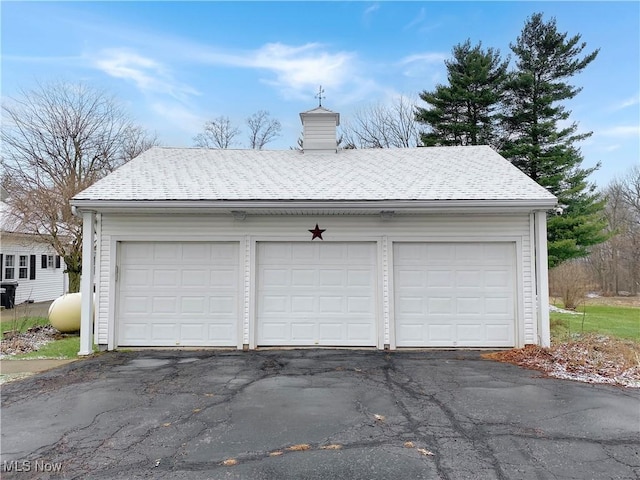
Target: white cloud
{"points": [[621, 131], [302, 67], [174, 117], [427, 57], [297, 69], [362, 90], [629, 102], [371, 9], [610, 148], [147, 74], [72, 60], [422, 14], [423, 65], [422, 23]]}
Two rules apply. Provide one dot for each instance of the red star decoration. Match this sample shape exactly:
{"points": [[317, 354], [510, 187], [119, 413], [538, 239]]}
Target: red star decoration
{"points": [[317, 233]]}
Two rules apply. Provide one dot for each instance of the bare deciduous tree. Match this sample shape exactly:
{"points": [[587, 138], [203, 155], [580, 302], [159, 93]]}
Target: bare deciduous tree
{"points": [[383, 126], [218, 133], [605, 257], [631, 190], [262, 129], [616, 262], [57, 140]]}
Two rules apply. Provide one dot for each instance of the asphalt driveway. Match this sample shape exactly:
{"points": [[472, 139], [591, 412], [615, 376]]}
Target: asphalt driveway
{"points": [[314, 414]]}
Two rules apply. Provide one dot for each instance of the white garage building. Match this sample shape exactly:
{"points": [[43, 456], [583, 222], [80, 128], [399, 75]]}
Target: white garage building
{"points": [[383, 248]]}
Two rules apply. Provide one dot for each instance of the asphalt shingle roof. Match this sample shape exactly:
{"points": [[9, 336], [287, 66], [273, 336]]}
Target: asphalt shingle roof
{"points": [[431, 173]]}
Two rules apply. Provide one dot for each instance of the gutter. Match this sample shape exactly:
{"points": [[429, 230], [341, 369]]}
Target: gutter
{"points": [[363, 206]]}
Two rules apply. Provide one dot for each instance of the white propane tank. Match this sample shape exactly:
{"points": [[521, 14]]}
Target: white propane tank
{"points": [[64, 313]]}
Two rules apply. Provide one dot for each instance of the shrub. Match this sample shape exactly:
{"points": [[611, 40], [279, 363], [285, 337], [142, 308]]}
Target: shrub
{"points": [[569, 281]]}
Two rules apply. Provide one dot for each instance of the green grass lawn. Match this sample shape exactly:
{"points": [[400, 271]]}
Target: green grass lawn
{"points": [[67, 347], [617, 321]]}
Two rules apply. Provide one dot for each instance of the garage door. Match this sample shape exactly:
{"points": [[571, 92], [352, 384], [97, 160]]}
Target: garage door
{"points": [[178, 294], [316, 294], [454, 294]]}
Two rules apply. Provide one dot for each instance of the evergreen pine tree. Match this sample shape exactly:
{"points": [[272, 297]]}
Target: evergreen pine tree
{"points": [[464, 111], [541, 144]]}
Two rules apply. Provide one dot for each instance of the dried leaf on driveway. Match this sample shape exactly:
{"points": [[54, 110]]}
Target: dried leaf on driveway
{"points": [[425, 452], [409, 445], [230, 462], [333, 446], [298, 448]]}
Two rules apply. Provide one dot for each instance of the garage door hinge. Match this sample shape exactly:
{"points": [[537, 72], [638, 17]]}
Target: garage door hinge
{"points": [[117, 273]]}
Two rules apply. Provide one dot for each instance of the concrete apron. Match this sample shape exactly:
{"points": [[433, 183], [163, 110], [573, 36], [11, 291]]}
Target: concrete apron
{"points": [[11, 367]]}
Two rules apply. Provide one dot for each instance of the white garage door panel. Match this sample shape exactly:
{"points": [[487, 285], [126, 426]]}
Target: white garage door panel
{"points": [[456, 294], [178, 293], [316, 294]]}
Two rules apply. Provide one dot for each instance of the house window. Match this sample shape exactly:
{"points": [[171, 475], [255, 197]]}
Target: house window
{"points": [[50, 261], [9, 264], [23, 270]]}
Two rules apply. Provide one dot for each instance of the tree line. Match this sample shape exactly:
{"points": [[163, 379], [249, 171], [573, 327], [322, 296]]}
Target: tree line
{"points": [[615, 263]]}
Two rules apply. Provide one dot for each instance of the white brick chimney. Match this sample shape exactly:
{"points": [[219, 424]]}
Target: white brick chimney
{"points": [[319, 130]]}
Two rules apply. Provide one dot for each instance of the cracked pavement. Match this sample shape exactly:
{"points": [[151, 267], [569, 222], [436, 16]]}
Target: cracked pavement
{"points": [[315, 414]]}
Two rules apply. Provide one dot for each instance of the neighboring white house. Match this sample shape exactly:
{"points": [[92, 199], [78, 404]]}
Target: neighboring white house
{"points": [[27, 259], [383, 248]]}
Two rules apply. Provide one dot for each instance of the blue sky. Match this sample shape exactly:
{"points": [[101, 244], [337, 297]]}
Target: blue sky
{"points": [[175, 65]]}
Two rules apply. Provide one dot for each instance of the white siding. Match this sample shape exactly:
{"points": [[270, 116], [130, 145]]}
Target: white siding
{"points": [[455, 228], [49, 284]]}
